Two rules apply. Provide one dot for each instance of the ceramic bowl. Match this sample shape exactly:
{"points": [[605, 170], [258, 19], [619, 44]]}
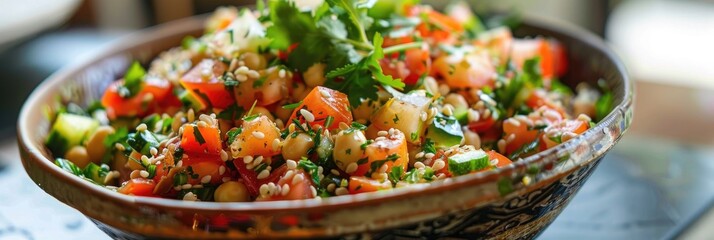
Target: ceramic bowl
{"points": [[493, 204]]}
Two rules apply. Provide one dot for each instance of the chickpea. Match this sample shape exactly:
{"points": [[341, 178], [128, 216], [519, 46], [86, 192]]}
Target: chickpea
{"points": [[300, 91], [231, 191], [297, 147], [282, 113], [456, 100], [95, 144], [263, 111], [254, 61], [348, 147], [315, 75], [78, 155]]}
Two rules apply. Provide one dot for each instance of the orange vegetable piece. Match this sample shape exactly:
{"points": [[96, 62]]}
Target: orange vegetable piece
{"points": [[203, 82], [138, 187], [360, 184], [257, 137], [332, 103], [211, 139]]}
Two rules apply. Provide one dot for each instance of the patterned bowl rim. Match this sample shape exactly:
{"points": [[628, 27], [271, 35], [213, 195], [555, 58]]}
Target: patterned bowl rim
{"points": [[27, 135]]}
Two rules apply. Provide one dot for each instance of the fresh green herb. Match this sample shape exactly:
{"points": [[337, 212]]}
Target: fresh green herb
{"points": [[132, 80], [292, 105], [230, 113], [152, 171], [355, 126], [395, 119], [204, 98], [362, 161], [69, 166], [396, 174], [197, 134], [259, 82], [526, 149], [180, 179], [262, 166], [310, 168], [250, 116], [328, 121], [233, 134], [428, 146], [603, 106]]}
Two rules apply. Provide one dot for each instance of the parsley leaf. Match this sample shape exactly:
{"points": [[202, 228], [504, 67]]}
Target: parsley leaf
{"points": [[132, 80]]}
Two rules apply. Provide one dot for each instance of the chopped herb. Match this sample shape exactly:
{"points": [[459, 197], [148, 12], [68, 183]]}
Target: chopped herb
{"points": [[395, 119], [328, 121], [178, 154], [259, 82], [396, 174], [132, 80], [197, 134], [428, 146], [292, 105], [233, 134], [310, 168]]}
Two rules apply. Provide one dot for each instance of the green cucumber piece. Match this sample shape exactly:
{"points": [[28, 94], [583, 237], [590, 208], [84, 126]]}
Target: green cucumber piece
{"points": [[96, 173], [464, 163], [445, 131], [143, 141], [69, 130]]}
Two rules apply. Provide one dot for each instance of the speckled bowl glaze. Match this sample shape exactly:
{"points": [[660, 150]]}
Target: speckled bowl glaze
{"points": [[494, 204]]}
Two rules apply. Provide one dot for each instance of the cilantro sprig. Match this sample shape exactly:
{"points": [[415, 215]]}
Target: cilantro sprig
{"points": [[335, 34]]}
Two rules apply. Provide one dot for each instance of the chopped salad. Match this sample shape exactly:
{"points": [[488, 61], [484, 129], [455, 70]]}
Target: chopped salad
{"points": [[289, 102]]}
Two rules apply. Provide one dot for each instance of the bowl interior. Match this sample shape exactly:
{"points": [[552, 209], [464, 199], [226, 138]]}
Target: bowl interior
{"points": [[83, 83]]}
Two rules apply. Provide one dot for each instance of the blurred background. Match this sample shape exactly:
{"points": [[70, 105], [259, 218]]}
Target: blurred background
{"points": [[655, 184]]}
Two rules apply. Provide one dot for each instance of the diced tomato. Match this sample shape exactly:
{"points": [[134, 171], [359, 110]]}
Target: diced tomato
{"points": [[266, 90], [439, 27], [498, 41], [392, 151], [474, 70], [564, 126], [298, 190], [417, 63], [522, 136], [502, 160], [553, 59], [204, 165], [204, 84], [332, 103], [257, 137], [152, 92], [482, 125], [360, 184], [138, 187], [211, 139], [538, 99], [249, 177]]}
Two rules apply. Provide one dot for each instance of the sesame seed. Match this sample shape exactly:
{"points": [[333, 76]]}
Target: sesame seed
{"points": [[289, 174], [352, 167], [264, 190], [241, 77], [224, 155], [258, 135], [291, 164], [382, 133], [420, 155], [144, 174], [247, 159], [392, 131], [206, 179], [258, 160], [179, 163], [341, 191], [221, 170], [487, 113], [190, 115], [263, 174], [380, 139], [473, 115], [438, 165], [419, 165], [331, 187], [119, 147], [226, 179], [551, 115], [335, 172], [422, 116], [447, 110], [281, 73], [153, 151], [177, 188], [511, 137], [298, 178], [285, 190], [190, 197], [584, 118], [513, 122], [501, 145], [307, 115], [253, 74], [429, 155], [313, 190], [242, 70], [276, 145], [383, 168], [324, 93], [186, 186], [526, 180], [141, 127]]}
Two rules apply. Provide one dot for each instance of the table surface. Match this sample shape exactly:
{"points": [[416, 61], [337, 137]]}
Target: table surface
{"points": [[643, 189]]}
